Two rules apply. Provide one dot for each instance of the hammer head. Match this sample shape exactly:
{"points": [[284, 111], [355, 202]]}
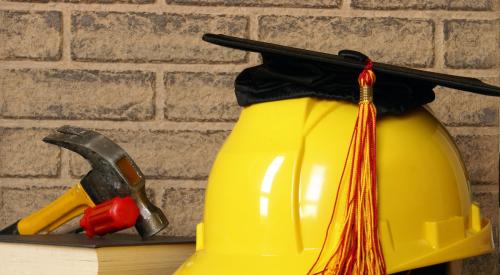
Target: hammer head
{"points": [[113, 174]]}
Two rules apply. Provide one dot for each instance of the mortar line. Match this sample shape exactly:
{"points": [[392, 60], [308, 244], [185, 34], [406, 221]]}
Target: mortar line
{"points": [[65, 164], [122, 66], [476, 130], [236, 10], [164, 184], [225, 68], [160, 4], [253, 58], [180, 125], [125, 125], [66, 36], [439, 46], [485, 188], [70, 181], [253, 23], [488, 73], [160, 91], [158, 192], [40, 181], [346, 6]]}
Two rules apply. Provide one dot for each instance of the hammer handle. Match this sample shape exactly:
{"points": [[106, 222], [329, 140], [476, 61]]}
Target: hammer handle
{"points": [[66, 207]]}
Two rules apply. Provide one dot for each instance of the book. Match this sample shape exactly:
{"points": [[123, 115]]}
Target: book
{"points": [[76, 254]]}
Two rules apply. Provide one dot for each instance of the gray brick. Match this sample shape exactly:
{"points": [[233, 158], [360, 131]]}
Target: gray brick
{"points": [[90, 1], [200, 97], [164, 154], [151, 37], [481, 265], [184, 209], [423, 5], [76, 94], [261, 3], [400, 41], [24, 154], [20, 202], [472, 44], [30, 35], [480, 154], [458, 108], [476, 5]]}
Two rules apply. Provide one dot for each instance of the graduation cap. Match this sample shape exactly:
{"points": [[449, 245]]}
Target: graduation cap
{"points": [[288, 72], [378, 88]]}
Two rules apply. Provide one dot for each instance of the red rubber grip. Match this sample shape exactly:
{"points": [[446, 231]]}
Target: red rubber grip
{"points": [[110, 216]]}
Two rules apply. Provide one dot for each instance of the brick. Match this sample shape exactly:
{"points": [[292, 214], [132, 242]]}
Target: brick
{"points": [[399, 41], [151, 37], [480, 154], [471, 44], [90, 1], [261, 3], [30, 35], [184, 209], [200, 97], [474, 5], [164, 154], [24, 154], [19, 202], [458, 108], [481, 265], [77, 94]]}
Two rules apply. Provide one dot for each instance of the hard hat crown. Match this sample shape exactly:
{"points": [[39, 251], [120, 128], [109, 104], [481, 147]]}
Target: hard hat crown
{"points": [[271, 190]]}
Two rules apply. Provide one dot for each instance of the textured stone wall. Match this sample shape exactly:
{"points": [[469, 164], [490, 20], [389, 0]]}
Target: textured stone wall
{"points": [[138, 71]]}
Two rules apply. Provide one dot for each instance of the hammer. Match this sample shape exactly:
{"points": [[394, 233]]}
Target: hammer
{"points": [[113, 174]]}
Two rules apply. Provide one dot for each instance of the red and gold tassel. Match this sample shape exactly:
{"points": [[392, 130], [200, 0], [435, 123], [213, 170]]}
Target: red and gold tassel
{"points": [[358, 250]]}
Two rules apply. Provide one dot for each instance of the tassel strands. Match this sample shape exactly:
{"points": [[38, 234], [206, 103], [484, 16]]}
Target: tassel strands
{"points": [[358, 250]]}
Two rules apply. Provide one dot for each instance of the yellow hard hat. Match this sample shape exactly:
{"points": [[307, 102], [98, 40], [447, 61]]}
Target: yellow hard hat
{"points": [[274, 182]]}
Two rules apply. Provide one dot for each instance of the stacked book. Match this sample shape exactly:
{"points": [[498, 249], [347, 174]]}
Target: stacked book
{"points": [[78, 255]]}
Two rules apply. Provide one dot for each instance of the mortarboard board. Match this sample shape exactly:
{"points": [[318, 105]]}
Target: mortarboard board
{"points": [[288, 72]]}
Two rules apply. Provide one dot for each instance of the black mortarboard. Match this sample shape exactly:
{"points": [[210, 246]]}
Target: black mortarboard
{"points": [[291, 72]]}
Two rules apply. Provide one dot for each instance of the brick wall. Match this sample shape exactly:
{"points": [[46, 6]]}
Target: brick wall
{"points": [[138, 71]]}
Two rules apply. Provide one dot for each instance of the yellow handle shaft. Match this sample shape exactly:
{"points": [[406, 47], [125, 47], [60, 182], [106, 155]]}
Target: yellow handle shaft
{"points": [[66, 207]]}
